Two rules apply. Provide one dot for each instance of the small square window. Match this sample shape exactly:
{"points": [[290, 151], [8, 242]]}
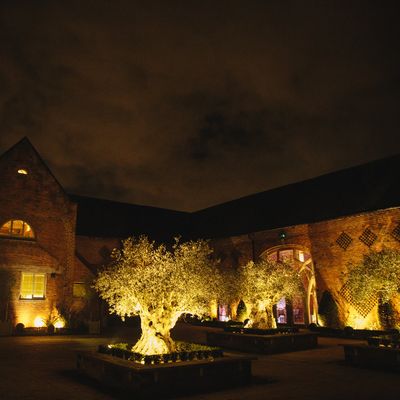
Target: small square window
{"points": [[33, 286], [79, 289]]}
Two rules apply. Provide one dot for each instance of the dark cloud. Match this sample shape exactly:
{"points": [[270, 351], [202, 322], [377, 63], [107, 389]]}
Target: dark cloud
{"points": [[187, 104]]}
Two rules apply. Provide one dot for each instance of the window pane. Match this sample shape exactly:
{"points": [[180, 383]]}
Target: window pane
{"points": [[33, 286], [79, 290], [281, 311], [17, 227], [300, 255], [6, 228], [286, 255], [298, 310], [273, 256], [223, 311], [27, 286], [38, 287], [28, 231]]}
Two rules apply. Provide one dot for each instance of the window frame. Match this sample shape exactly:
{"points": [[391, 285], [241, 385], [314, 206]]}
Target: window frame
{"points": [[32, 289], [80, 283], [10, 235]]}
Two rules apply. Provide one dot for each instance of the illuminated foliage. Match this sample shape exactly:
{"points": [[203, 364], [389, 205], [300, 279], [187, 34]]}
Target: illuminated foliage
{"points": [[377, 275], [159, 285], [262, 285]]}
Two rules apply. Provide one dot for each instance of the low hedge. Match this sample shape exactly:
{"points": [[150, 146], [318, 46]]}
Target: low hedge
{"points": [[186, 352]]}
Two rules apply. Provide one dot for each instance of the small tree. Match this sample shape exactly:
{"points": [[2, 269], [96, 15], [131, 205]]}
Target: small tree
{"points": [[159, 285], [262, 285], [377, 275]]}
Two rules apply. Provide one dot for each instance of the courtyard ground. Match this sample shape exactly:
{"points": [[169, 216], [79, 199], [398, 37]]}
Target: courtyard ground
{"points": [[44, 368]]}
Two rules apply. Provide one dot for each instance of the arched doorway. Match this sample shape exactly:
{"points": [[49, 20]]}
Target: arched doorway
{"points": [[301, 309]]}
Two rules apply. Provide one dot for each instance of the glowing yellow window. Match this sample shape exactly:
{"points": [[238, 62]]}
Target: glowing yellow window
{"points": [[300, 255], [17, 228], [33, 286]]}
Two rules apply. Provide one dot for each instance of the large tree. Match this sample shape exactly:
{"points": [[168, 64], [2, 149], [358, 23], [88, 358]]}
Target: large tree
{"points": [[159, 285], [376, 276], [262, 284]]}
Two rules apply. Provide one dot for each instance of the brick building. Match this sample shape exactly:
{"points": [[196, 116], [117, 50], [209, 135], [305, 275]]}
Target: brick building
{"points": [[51, 242]]}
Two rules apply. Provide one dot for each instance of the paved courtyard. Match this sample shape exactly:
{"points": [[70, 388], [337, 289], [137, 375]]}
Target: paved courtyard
{"points": [[44, 368]]}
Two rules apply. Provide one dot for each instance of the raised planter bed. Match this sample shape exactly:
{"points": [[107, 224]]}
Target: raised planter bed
{"points": [[391, 341], [183, 377], [376, 357], [253, 331], [265, 344], [214, 323], [44, 332], [200, 353], [349, 333]]}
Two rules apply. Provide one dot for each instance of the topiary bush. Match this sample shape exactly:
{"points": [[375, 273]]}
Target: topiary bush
{"points": [[328, 310], [19, 328], [241, 311]]}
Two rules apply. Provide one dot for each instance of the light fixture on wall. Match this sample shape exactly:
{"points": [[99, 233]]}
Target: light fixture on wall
{"points": [[22, 171], [282, 235]]}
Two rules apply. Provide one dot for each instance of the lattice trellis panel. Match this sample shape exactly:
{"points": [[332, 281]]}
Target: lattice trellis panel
{"points": [[396, 232], [363, 308], [368, 237], [344, 240]]}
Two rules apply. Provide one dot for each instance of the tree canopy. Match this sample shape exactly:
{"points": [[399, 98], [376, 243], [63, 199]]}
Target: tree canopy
{"points": [[378, 274], [263, 284], [159, 284]]}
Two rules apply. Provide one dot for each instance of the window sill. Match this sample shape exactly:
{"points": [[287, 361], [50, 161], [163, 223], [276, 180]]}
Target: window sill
{"points": [[32, 299], [21, 239]]}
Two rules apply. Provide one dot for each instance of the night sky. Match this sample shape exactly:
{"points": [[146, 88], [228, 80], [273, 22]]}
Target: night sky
{"points": [[186, 104]]}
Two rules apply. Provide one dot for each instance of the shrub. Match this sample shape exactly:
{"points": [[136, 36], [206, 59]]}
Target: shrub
{"points": [[19, 328], [241, 311], [328, 310]]}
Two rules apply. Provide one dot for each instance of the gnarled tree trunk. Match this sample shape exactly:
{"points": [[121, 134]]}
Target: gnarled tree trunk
{"points": [[262, 317], [156, 337]]}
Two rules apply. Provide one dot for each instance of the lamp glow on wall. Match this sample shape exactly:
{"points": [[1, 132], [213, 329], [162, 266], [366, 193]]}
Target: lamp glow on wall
{"points": [[39, 322]]}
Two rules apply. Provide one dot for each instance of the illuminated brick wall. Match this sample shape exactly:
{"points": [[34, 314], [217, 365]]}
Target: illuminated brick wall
{"points": [[38, 199], [331, 254]]}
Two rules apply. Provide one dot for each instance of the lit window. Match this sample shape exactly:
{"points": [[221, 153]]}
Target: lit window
{"points": [[298, 310], [223, 312], [33, 286], [273, 256], [79, 289], [17, 228], [300, 255], [22, 171], [281, 311], [286, 255]]}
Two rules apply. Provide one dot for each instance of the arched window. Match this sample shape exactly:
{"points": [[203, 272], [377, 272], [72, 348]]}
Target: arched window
{"points": [[299, 309], [17, 228]]}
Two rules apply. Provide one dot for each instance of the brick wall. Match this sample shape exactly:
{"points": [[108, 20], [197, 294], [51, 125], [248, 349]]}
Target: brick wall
{"points": [[331, 262], [38, 199], [92, 253]]}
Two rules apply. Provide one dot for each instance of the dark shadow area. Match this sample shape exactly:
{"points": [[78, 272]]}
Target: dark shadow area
{"points": [[118, 394]]}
